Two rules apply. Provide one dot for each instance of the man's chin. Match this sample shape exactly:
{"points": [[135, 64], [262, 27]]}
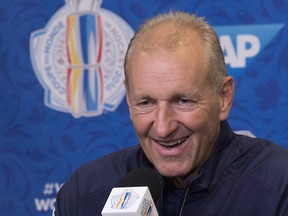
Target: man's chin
{"points": [[171, 172], [179, 176]]}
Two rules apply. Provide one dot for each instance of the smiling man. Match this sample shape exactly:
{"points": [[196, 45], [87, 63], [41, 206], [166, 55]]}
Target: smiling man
{"points": [[175, 109], [179, 97]]}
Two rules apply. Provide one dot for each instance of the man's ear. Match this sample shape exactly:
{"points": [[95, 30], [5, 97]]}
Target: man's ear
{"points": [[226, 96]]}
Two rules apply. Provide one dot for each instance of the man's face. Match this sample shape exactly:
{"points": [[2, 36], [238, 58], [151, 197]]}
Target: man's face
{"points": [[174, 111]]}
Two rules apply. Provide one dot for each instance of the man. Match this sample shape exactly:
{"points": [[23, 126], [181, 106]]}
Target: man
{"points": [[179, 96]]}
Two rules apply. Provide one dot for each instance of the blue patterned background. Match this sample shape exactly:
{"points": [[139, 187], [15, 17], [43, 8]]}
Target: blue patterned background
{"points": [[40, 147]]}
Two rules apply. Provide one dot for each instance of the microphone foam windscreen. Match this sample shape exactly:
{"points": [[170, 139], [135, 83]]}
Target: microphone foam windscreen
{"points": [[143, 177]]}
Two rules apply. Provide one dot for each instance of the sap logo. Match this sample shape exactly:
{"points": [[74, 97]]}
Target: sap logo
{"points": [[247, 46], [241, 43]]}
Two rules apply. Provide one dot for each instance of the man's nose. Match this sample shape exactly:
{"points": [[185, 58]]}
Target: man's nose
{"points": [[164, 123]]}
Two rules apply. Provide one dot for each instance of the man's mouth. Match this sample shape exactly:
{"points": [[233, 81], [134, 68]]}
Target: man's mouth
{"points": [[172, 144]]}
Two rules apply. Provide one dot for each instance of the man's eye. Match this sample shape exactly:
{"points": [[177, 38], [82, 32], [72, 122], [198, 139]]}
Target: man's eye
{"points": [[185, 101], [144, 106], [144, 103]]}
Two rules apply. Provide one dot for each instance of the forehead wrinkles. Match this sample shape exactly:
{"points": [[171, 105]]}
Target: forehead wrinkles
{"points": [[163, 84], [164, 38]]}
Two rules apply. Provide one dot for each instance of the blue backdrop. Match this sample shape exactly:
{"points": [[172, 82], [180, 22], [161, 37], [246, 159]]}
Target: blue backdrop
{"points": [[44, 136]]}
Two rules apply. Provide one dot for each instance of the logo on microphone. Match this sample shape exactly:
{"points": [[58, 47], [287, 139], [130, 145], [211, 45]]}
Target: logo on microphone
{"points": [[78, 58], [124, 199], [146, 208]]}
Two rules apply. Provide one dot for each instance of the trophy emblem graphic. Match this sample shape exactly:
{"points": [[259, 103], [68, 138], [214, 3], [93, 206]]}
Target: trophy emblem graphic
{"points": [[78, 58]]}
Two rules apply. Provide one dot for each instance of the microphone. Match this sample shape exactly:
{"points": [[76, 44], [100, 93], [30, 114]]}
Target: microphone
{"points": [[133, 197]]}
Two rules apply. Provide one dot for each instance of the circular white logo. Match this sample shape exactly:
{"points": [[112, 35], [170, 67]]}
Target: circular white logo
{"points": [[124, 199], [78, 58]]}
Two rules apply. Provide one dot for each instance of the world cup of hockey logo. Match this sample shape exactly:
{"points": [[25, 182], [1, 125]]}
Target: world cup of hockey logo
{"points": [[146, 208], [84, 87], [124, 199], [78, 58]]}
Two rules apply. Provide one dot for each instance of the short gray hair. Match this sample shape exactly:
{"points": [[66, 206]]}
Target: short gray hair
{"points": [[179, 24]]}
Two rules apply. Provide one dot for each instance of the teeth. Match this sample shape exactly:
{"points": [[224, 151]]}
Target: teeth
{"points": [[172, 143]]}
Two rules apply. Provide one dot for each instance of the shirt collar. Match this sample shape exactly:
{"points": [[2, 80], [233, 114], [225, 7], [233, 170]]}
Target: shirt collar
{"points": [[199, 186]]}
